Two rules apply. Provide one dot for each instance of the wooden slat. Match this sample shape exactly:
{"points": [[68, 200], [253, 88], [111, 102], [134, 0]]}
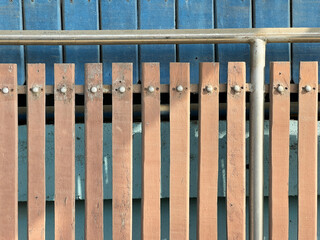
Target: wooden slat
{"points": [[151, 151], [94, 151], [236, 169], [279, 150], [122, 151], [208, 151], [9, 153], [307, 151], [36, 151], [179, 150], [64, 105]]}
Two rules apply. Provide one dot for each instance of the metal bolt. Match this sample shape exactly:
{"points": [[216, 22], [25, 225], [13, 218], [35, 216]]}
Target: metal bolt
{"points": [[35, 89], [280, 89], [5, 90], [236, 88], [94, 89], [151, 89], [179, 88], [308, 88], [63, 89], [122, 89], [209, 88]]}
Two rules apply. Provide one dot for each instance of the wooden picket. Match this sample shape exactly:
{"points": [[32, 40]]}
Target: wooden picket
{"points": [[307, 150], [209, 90], [36, 100], [94, 151], [9, 152], [64, 120], [279, 150]]}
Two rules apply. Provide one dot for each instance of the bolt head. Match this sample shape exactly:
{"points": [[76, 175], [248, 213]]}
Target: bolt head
{"points": [[5, 90], [94, 89], [122, 89], [35, 89], [209, 88], [308, 88], [280, 89], [151, 89], [237, 88], [179, 88], [63, 89]]}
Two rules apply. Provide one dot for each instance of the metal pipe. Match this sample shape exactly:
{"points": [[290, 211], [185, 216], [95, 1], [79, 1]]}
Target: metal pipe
{"points": [[173, 36], [258, 54]]}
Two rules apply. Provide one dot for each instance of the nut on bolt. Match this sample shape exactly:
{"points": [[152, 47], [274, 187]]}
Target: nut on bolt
{"points": [[236, 88], [122, 89], [179, 88], [308, 88], [5, 90]]}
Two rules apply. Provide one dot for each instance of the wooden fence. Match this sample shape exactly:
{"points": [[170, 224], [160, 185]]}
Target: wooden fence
{"points": [[122, 118]]}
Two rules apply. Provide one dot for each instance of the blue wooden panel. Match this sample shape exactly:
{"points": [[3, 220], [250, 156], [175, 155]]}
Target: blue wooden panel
{"points": [[118, 15], [158, 14], [305, 13], [81, 15], [272, 14], [195, 14], [11, 19], [232, 14], [43, 15]]}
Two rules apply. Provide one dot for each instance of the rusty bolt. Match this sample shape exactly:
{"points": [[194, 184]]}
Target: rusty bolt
{"points": [[5, 90]]}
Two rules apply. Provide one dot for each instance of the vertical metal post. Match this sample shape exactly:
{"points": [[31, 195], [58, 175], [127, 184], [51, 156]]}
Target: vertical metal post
{"points": [[258, 54]]}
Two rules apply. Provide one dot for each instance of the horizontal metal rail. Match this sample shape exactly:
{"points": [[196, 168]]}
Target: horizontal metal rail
{"points": [[167, 36]]}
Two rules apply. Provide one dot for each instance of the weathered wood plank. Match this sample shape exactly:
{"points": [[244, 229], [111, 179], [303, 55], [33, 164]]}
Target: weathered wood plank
{"points": [[94, 151], [43, 15], [179, 150], [9, 152], [36, 119], [158, 14], [151, 151], [110, 12], [195, 14], [279, 150], [236, 152], [81, 15], [307, 150], [64, 132], [208, 151], [122, 150]]}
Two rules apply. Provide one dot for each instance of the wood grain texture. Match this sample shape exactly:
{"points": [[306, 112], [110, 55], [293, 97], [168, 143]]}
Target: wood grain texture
{"points": [[208, 151], [279, 150], [122, 151], [236, 153], [94, 151], [36, 119], [9, 153], [307, 151], [151, 152], [64, 132], [179, 150]]}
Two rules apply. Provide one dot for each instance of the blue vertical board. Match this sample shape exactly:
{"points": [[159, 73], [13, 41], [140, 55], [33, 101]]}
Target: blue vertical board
{"points": [[195, 14], [43, 15], [232, 14], [273, 14], [81, 15], [305, 13], [118, 15], [11, 19], [158, 14]]}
